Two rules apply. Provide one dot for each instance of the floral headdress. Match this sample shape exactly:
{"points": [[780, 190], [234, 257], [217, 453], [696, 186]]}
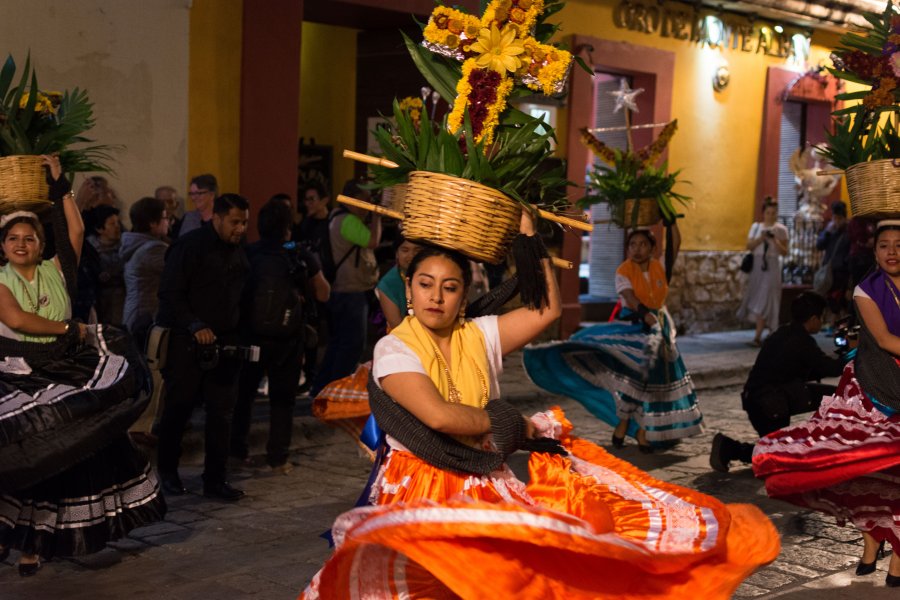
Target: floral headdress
{"points": [[497, 51], [476, 65]]}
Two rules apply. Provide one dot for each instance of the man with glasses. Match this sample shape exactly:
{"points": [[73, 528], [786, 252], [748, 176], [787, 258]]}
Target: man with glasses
{"points": [[203, 191]]}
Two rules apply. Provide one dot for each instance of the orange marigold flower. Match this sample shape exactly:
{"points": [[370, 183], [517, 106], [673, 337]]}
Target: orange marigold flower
{"points": [[441, 21], [455, 26], [517, 15]]}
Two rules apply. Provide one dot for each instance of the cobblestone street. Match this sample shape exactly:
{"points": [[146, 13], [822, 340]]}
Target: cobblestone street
{"points": [[268, 545]]}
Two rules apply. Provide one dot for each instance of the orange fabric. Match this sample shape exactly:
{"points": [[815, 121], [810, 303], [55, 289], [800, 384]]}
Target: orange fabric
{"points": [[651, 293], [586, 526], [345, 398]]}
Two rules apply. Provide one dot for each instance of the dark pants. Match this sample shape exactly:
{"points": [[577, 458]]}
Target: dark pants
{"points": [[281, 362], [770, 408], [347, 325], [186, 387]]}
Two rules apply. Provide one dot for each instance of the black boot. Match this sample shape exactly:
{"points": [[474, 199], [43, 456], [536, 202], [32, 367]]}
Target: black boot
{"points": [[722, 453]]}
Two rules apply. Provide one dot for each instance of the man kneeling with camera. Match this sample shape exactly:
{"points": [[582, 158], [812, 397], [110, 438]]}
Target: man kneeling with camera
{"points": [[781, 382]]}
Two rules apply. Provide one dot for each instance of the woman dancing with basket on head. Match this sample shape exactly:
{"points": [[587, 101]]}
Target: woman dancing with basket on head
{"points": [[628, 372], [70, 480], [445, 517], [845, 460]]}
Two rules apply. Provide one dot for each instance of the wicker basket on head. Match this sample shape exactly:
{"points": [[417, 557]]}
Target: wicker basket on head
{"points": [[647, 213], [23, 185], [394, 197], [874, 188], [461, 215]]}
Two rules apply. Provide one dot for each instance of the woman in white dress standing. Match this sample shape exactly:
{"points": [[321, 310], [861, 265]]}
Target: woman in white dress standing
{"points": [[768, 241]]}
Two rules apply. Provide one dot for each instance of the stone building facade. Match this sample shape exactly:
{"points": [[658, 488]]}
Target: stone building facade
{"points": [[705, 291]]}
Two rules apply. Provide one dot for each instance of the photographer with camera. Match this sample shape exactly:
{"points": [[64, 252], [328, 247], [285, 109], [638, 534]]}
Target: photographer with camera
{"points": [[780, 382], [273, 317], [767, 242], [199, 302]]}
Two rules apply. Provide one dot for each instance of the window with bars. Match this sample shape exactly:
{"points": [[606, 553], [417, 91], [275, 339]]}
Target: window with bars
{"points": [[804, 257]]}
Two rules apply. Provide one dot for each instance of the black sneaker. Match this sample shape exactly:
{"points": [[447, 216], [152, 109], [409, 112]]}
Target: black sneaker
{"points": [[222, 491], [718, 458]]}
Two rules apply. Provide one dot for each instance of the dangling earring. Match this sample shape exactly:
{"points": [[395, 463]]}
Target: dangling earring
{"points": [[409, 308], [462, 316]]}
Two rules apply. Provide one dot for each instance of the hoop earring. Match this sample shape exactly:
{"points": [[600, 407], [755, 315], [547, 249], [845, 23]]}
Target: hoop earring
{"points": [[462, 316], [409, 308]]}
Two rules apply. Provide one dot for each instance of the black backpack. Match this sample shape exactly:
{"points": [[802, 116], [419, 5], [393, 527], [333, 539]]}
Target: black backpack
{"points": [[274, 306], [329, 267]]}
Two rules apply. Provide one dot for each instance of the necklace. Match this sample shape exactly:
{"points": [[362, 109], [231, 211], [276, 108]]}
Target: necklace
{"points": [[453, 393], [32, 304], [893, 293]]}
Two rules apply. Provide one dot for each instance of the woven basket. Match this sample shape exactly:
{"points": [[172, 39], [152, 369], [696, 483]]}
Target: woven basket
{"points": [[874, 188], [461, 215], [23, 185], [647, 214], [394, 197]]}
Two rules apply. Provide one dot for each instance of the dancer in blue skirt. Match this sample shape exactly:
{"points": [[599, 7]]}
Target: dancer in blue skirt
{"points": [[627, 372]]}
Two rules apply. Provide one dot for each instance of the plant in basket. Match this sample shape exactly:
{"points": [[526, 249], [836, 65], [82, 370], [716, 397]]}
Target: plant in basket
{"points": [[637, 191], [35, 122], [865, 142], [478, 64]]}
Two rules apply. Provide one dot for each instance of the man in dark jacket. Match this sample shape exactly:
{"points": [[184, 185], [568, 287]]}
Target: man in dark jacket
{"points": [[778, 385], [199, 301], [273, 318]]}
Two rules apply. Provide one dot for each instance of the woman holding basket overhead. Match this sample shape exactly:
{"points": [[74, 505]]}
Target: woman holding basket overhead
{"points": [[627, 372], [445, 517], [70, 481], [845, 460]]}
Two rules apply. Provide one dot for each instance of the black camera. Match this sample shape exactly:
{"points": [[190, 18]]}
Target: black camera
{"points": [[844, 333], [208, 354]]}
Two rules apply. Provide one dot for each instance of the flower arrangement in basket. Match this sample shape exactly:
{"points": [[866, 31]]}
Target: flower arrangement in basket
{"points": [[865, 142], [638, 192], [35, 122], [469, 175]]}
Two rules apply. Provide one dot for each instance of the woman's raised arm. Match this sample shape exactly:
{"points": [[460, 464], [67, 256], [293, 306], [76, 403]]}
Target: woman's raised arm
{"points": [[74, 223], [520, 326]]}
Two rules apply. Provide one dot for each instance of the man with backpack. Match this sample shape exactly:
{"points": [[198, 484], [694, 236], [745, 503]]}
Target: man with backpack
{"points": [[312, 234], [352, 242], [283, 278]]}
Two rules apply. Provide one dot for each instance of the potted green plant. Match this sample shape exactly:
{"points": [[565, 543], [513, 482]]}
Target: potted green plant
{"points": [[864, 142], [35, 122], [637, 192]]}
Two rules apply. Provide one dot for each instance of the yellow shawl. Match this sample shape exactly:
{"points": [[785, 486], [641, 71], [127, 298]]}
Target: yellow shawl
{"points": [[468, 365], [650, 291]]}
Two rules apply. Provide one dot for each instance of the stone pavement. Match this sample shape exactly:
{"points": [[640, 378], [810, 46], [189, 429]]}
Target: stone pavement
{"points": [[268, 545]]}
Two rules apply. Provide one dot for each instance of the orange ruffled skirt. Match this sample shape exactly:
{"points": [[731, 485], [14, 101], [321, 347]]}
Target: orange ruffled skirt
{"points": [[586, 526]]}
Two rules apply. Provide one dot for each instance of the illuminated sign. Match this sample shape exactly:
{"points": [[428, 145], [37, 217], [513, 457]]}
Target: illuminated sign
{"points": [[718, 30]]}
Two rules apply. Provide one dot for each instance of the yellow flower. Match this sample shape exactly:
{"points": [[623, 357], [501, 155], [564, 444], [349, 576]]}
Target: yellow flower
{"points": [[553, 75], [44, 103], [463, 89], [498, 50]]}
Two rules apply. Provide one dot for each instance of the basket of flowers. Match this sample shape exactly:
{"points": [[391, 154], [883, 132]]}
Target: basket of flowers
{"points": [[864, 143], [35, 122], [469, 175]]}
